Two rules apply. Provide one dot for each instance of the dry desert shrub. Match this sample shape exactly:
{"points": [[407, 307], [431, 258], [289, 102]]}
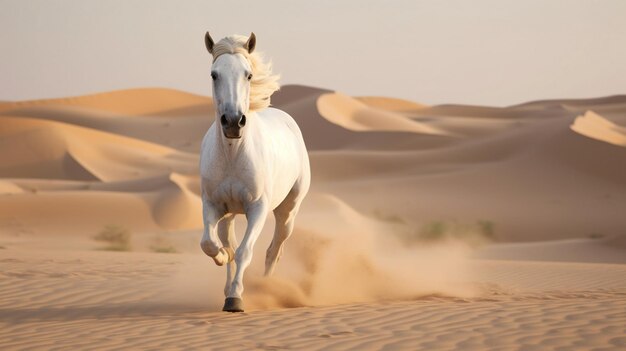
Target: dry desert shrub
{"points": [[116, 236]]}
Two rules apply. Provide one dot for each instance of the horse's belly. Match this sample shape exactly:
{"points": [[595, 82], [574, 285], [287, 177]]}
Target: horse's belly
{"points": [[281, 190]]}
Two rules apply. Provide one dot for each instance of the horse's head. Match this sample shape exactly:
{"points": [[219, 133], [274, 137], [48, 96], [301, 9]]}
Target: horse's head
{"points": [[232, 75], [242, 81]]}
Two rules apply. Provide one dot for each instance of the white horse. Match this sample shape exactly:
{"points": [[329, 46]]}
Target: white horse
{"points": [[253, 160]]}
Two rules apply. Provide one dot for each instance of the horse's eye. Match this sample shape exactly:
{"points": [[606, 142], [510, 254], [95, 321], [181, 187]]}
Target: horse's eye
{"points": [[214, 75], [250, 76]]}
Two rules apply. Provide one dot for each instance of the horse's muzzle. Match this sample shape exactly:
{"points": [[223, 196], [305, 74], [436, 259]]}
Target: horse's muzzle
{"points": [[232, 126], [232, 134]]}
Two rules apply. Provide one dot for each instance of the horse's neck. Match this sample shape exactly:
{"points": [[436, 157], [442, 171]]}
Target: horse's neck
{"points": [[232, 151]]}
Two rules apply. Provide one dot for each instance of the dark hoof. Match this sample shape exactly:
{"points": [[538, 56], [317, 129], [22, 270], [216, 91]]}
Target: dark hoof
{"points": [[233, 304]]}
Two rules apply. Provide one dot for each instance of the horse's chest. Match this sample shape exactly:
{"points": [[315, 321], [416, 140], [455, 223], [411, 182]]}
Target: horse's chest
{"points": [[232, 192]]}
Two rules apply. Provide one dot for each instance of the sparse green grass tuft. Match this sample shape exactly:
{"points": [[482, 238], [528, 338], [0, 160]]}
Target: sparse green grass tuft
{"points": [[434, 230], [478, 233], [117, 238]]}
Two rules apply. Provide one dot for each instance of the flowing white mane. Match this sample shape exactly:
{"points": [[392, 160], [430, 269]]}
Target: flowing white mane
{"points": [[263, 83]]}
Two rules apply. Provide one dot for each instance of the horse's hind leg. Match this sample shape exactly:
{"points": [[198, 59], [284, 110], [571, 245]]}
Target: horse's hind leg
{"points": [[285, 215], [226, 232]]}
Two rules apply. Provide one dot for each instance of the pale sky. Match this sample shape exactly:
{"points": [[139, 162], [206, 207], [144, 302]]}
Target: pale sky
{"points": [[476, 52]]}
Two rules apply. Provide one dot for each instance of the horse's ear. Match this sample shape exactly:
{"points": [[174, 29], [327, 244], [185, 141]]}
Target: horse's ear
{"points": [[251, 43], [208, 41]]}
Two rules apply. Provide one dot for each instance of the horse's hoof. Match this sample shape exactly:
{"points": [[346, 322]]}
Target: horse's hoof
{"points": [[224, 255], [233, 304]]}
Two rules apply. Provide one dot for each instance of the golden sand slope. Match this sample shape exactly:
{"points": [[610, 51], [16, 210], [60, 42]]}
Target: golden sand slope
{"points": [[153, 101], [383, 255], [595, 126], [355, 115]]}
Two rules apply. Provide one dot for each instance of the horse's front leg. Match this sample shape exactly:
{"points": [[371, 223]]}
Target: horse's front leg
{"points": [[210, 242], [256, 215], [226, 232]]}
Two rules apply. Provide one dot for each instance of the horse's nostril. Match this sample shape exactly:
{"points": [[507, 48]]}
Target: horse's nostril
{"points": [[223, 120], [242, 121]]}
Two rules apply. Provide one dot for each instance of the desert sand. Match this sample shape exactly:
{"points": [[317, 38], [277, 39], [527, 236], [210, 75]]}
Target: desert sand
{"points": [[427, 227]]}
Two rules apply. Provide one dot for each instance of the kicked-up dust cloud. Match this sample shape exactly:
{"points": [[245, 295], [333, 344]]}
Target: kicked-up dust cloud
{"points": [[335, 256]]}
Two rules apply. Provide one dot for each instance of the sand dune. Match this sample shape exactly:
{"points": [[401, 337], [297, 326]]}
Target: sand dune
{"points": [[595, 126], [179, 132], [354, 115], [584, 103], [394, 247], [391, 104], [552, 172], [35, 147], [321, 134], [126, 102]]}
